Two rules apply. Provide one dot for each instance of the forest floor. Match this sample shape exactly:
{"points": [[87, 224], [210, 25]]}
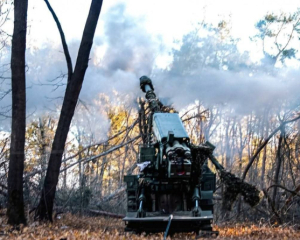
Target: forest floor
{"points": [[70, 227]]}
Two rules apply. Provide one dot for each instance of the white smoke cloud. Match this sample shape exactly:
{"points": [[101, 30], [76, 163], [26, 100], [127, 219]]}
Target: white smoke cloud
{"points": [[240, 91], [128, 52]]}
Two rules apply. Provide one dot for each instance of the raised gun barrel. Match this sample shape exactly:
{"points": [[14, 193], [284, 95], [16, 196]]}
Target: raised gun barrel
{"points": [[170, 134], [174, 177], [146, 84], [147, 87], [170, 180]]}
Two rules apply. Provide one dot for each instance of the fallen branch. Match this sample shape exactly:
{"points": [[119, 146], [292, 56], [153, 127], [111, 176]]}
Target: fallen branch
{"points": [[100, 143], [294, 193], [85, 160], [111, 196], [60, 210], [103, 213]]}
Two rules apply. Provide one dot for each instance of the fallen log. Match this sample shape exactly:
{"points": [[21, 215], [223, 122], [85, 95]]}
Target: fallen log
{"points": [[103, 213], [62, 210]]}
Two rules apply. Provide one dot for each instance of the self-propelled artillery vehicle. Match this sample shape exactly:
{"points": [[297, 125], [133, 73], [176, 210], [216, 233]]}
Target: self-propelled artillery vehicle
{"points": [[175, 187]]}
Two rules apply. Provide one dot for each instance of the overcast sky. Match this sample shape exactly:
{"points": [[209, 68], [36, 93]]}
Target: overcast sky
{"points": [[131, 36], [169, 18]]}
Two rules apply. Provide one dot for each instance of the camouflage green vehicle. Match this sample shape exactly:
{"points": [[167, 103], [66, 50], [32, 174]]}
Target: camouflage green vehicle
{"points": [[175, 187]]}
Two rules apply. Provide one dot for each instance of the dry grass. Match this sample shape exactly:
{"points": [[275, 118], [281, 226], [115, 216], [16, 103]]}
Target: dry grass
{"points": [[75, 227]]}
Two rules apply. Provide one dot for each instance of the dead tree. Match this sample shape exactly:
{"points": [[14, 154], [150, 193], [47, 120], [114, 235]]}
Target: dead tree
{"points": [[75, 80], [15, 209]]}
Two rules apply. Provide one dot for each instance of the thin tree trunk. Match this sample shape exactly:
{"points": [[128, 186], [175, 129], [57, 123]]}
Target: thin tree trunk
{"points": [[297, 142], [277, 171], [109, 178], [80, 171], [65, 176], [45, 208], [43, 150], [81, 182], [263, 167], [15, 208], [240, 151], [224, 210], [123, 167], [103, 167], [227, 146]]}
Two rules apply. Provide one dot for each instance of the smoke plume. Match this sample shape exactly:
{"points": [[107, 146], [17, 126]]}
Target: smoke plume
{"points": [[124, 52]]}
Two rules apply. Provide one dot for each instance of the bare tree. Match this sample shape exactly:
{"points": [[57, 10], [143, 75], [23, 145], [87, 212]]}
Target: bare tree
{"points": [[45, 208], [15, 209]]}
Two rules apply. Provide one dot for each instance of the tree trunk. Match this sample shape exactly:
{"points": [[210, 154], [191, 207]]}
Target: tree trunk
{"points": [[123, 167], [43, 151], [103, 167], [240, 152], [227, 146], [109, 179], [15, 209], [297, 143], [65, 177], [263, 167], [45, 208], [277, 171], [81, 182]]}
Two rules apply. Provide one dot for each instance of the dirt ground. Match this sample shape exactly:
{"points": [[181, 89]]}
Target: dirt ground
{"points": [[75, 227]]}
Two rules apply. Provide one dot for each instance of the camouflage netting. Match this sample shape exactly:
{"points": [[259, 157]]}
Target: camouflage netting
{"points": [[199, 156], [235, 186], [167, 109]]}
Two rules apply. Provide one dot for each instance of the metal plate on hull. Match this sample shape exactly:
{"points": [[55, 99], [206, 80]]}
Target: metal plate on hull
{"points": [[159, 224], [175, 218], [163, 123]]}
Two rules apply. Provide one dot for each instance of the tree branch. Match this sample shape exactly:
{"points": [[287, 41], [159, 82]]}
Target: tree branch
{"points": [[294, 193], [63, 41], [252, 159], [85, 160], [100, 143]]}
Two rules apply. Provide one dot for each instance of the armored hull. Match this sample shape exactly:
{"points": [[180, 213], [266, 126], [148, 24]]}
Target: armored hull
{"points": [[165, 197], [181, 222], [175, 187]]}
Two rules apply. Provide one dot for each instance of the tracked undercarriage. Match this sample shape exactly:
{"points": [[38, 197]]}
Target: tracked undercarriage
{"points": [[191, 209]]}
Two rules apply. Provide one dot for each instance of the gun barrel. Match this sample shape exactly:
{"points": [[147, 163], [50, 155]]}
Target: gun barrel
{"points": [[146, 84], [147, 87]]}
